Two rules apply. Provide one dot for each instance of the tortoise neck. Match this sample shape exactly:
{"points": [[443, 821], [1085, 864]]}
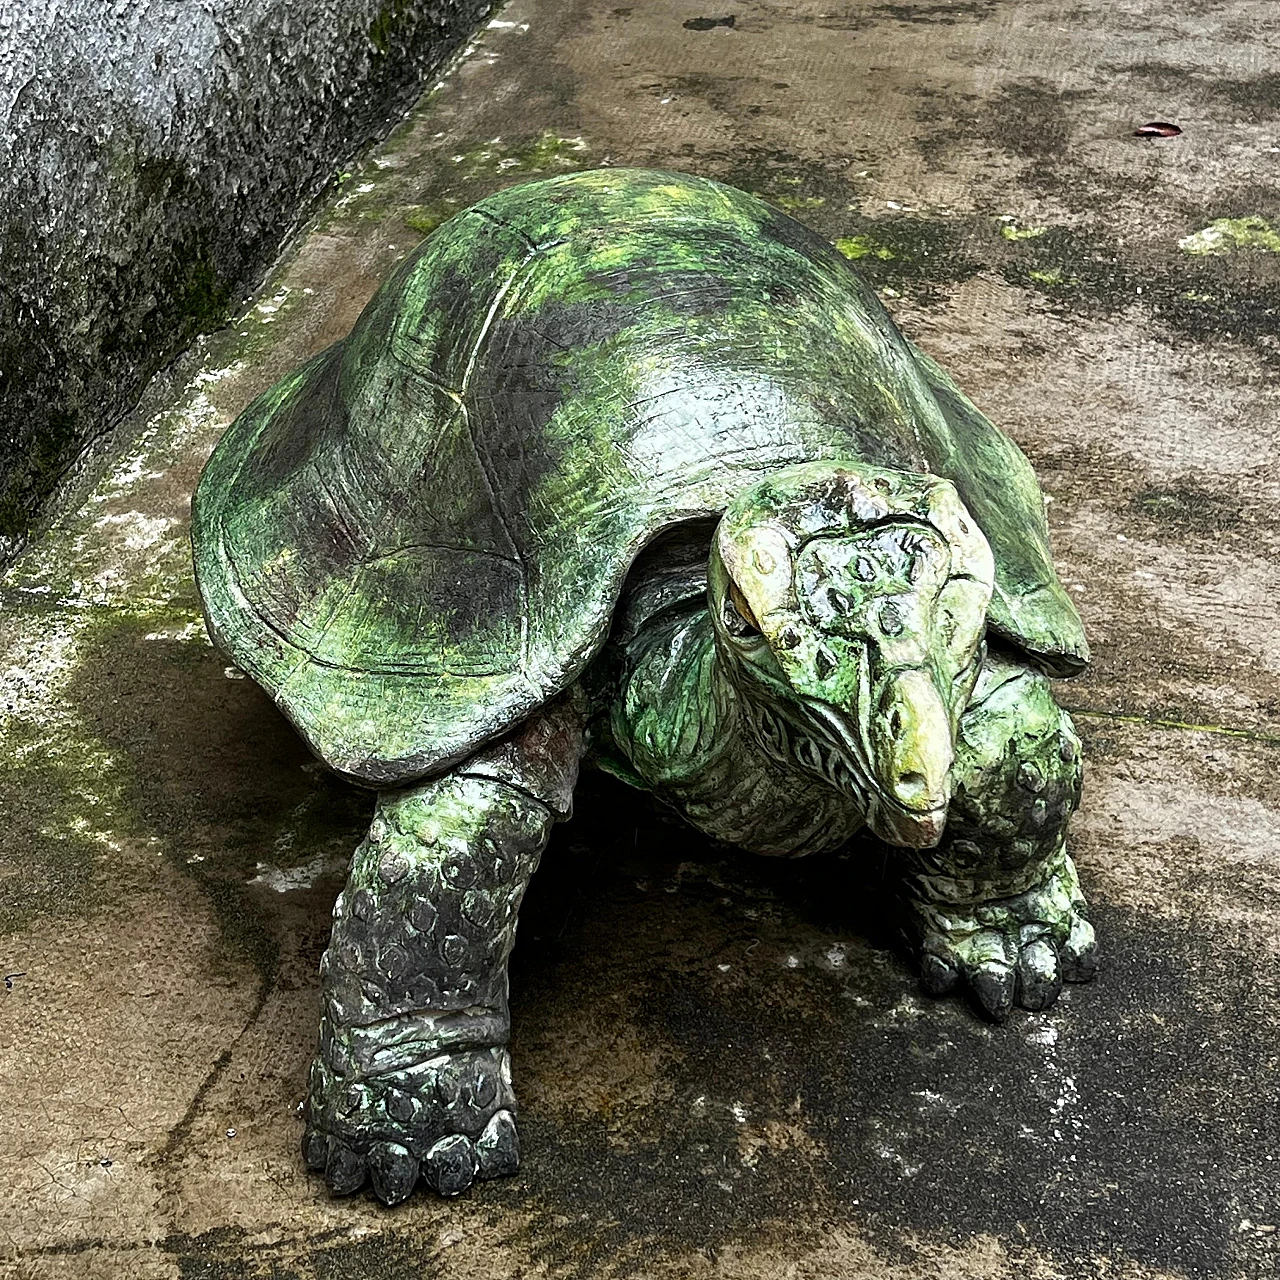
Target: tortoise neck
{"points": [[681, 723], [676, 713]]}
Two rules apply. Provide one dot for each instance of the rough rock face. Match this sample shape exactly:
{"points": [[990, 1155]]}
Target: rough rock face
{"points": [[155, 153]]}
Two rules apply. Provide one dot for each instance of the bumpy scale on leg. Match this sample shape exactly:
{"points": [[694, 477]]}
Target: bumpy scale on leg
{"points": [[997, 905], [413, 1078]]}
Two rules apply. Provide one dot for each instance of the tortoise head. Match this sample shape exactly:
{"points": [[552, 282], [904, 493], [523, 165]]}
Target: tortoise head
{"points": [[849, 605]]}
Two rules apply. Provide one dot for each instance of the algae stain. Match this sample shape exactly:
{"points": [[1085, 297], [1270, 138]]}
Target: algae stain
{"points": [[781, 191], [61, 824], [1012, 232], [856, 248], [1053, 277], [1227, 235], [793, 203], [385, 22], [1155, 722], [42, 467], [208, 772], [424, 219], [548, 152], [1189, 506], [909, 255]]}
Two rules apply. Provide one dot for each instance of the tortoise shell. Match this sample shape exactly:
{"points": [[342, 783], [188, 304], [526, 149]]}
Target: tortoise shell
{"points": [[420, 536]]}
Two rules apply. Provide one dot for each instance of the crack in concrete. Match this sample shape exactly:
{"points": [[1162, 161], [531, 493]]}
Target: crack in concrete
{"points": [[1250, 735]]}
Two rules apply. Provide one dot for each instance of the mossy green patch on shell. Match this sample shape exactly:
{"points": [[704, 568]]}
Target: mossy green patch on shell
{"points": [[1229, 235]]}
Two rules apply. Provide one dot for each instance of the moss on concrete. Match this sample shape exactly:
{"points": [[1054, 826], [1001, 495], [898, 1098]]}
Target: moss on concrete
{"points": [[1051, 277], [1013, 233], [1229, 235], [61, 824], [426, 218], [545, 153], [855, 248], [1188, 505]]}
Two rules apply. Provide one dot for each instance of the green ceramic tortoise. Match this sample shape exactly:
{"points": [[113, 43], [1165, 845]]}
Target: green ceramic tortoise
{"points": [[629, 468]]}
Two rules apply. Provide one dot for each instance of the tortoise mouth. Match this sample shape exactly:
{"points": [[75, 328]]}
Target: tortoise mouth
{"points": [[844, 759], [907, 828]]}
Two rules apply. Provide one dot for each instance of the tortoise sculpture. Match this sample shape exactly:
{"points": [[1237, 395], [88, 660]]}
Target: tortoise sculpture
{"points": [[630, 468]]}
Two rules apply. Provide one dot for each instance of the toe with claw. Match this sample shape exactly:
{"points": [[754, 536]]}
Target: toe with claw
{"points": [[446, 1122], [1012, 951]]}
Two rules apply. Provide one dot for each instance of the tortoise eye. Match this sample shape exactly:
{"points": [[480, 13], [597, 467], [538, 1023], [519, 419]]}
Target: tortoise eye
{"points": [[738, 618]]}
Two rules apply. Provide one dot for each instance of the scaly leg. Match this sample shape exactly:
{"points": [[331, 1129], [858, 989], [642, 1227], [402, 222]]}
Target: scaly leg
{"points": [[413, 1077], [997, 904]]}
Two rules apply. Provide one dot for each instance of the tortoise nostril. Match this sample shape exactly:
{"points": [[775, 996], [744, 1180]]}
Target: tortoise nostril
{"points": [[911, 784]]}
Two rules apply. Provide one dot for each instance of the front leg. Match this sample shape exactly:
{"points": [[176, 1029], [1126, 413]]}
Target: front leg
{"points": [[413, 1077], [997, 904]]}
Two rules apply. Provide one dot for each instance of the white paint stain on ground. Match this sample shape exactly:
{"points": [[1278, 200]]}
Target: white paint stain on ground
{"points": [[167, 432], [291, 879], [1065, 1120], [140, 532], [930, 1100]]}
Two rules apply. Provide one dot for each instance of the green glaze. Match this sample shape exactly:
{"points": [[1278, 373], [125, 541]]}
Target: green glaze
{"points": [[629, 467]]}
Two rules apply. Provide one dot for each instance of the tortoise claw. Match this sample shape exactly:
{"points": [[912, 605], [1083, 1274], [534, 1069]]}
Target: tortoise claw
{"points": [[393, 1172], [315, 1150], [1080, 951], [937, 976], [498, 1147], [1039, 975], [994, 986], [345, 1171], [451, 1165]]}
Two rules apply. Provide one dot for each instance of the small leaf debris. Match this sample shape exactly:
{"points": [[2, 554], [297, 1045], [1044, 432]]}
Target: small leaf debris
{"points": [[1157, 129], [705, 24]]}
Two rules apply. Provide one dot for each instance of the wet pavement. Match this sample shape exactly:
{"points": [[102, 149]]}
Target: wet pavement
{"points": [[725, 1067]]}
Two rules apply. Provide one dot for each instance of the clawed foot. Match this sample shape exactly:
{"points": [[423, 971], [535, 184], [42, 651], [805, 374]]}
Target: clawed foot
{"points": [[448, 1121], [1017, 950]]}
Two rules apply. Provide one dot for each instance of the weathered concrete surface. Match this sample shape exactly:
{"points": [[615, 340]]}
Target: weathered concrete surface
{"points": [[725, 1069], [155, 155]]}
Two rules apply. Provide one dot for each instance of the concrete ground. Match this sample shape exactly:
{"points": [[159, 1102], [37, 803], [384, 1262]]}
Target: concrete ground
{"points": [[725, 1068]]}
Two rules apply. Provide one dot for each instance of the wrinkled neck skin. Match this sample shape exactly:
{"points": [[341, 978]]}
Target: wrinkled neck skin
{"points": [[680, 723]]}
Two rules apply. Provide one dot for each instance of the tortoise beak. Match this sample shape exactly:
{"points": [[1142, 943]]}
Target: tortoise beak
{"points": [[911, 757]]}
